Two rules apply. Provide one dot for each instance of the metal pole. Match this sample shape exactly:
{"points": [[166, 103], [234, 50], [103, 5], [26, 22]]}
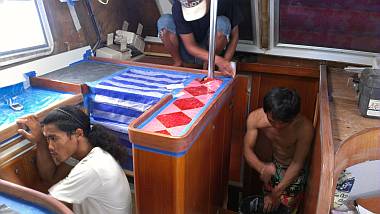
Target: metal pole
{"points": [[211, 49]]}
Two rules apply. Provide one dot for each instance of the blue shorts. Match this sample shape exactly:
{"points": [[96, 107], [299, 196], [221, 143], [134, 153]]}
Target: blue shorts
{"points": [[166, 21]]}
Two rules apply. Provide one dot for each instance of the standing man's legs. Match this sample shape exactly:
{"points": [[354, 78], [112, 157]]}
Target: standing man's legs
{"points": [[223, 30], [167, 33]]}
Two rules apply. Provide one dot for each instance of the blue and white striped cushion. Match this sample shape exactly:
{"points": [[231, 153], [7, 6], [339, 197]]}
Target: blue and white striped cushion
{"points": [[119, 99]]}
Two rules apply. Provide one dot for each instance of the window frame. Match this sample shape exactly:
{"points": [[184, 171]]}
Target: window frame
{"points": [[19, 55], [311, 52], [254, 44]]}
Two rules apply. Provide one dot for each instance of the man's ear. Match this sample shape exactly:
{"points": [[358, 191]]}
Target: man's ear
{"points": [[79, 132]]}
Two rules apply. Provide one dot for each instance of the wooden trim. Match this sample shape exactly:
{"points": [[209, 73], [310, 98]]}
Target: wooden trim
{"points": [[157, 54], [33, 196], [360, 147], [55, 85], [264, 23], [8, 144], [371, 204], [256, 84], [276, 69], [13, 155], [316, 112], [325, 196]]}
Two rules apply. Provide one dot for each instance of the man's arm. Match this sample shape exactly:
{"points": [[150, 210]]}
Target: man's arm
{"points": [[234, 38], [47, 169], [45, 164], [193, 48], [302, 150], [266, 170]]}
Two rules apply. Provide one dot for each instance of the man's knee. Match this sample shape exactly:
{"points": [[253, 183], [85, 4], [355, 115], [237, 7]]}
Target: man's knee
{"points": [[223, 26], [165, 24]]}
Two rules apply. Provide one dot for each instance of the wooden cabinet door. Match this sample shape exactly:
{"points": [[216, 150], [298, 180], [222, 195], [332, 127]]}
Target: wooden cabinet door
{"points": [[306, 87], [240, 101], [22, 170]]}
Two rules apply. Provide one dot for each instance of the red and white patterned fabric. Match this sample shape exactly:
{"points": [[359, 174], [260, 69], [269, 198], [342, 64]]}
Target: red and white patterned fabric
{"points": [[177, 116]]}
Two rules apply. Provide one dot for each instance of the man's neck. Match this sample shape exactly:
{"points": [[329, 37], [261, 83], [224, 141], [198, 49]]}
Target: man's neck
{"points": [[84, 147]]}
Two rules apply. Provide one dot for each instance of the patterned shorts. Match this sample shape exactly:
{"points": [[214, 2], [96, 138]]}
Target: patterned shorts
{"points": [[292, 196]]}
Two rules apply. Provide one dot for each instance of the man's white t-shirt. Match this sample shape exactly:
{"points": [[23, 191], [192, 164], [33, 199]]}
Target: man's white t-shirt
{"points": [[97, 184]]}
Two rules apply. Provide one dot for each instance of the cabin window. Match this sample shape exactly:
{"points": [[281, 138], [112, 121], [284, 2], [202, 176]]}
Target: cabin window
{"points": [[327, 29], [25, 31], [249, 32]]}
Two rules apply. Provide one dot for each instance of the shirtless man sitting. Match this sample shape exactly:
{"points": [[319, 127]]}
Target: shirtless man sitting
{"points": [[290, 134]]}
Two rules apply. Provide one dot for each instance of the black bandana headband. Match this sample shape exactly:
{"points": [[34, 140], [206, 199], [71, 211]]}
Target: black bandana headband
{"points": [[71, 117]]}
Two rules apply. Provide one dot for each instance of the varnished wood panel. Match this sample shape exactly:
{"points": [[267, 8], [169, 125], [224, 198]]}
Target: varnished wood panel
{"points": [[264, 23], [314, 177], [22, 170], [227, 151], [371, 204], [55, 85], [325, 189], [307, 88], [155, 182], [360, 147], [156, 60], [239, 117], [193, 183], [198, 172], [271, 68], [331, 157], [152, 47]]}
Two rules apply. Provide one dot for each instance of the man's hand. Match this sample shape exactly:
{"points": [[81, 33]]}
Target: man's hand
{"points": [[35, 134], [224, 66], [271, 201], [267, 172]]}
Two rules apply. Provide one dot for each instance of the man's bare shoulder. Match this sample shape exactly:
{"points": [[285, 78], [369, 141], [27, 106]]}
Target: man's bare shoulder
{"points": [[304, 127], [257, 119]]}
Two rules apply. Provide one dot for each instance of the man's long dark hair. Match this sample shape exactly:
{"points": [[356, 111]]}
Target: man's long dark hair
{"points": [[283, 104], [69, 118]]}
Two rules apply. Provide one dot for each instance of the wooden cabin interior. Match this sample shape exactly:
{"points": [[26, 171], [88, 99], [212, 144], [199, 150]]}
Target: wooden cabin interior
{"points": [[318, 48]]}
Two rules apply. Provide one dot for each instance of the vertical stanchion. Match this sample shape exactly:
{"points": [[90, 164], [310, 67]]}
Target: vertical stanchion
{"points": [[211, 49]]}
